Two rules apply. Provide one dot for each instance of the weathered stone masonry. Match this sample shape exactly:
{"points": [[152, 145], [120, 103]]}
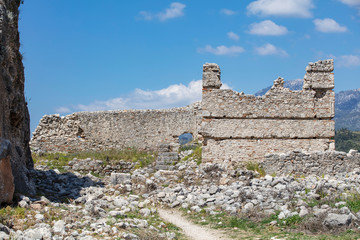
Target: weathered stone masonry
{"points": [[233, 126], [316, 163], [144, 129], [239, 127]]}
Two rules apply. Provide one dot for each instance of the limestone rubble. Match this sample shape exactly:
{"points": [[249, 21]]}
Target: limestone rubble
{"points": [[74, 205]]}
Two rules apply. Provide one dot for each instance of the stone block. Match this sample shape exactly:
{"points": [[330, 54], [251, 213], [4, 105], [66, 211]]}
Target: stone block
{"points": [[211, 76], [119, 178], [319, 80]]}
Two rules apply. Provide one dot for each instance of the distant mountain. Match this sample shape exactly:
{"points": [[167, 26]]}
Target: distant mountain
{"points": [[347, 110], [347, 105], [292, 85]]}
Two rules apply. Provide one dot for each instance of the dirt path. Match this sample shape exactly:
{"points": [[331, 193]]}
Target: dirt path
{"points": [[190, 229]]}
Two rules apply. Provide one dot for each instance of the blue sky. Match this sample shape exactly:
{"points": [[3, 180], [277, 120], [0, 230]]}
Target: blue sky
{"points": [[88, 55]]}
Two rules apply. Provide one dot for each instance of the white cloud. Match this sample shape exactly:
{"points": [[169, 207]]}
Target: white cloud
{"points": [[146, 16], [352, 3], [227, 12], [328, 25], [223, 50], [175, 10], [268, 28], [63, 110], [349, 61], [285, 8], [233, 36], [269, 49], [176, 95], [112, 104]]}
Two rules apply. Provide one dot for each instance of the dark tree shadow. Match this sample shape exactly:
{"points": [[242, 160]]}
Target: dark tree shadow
{"points": [[63, 187]]}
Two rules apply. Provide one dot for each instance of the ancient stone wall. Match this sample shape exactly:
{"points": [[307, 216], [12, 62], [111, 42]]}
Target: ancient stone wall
{"points": [[143, 129], [238, 127], [14, 116], [233, 126], [316, 163]]}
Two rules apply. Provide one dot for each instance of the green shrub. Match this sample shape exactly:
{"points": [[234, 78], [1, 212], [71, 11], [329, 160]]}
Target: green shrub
{"points": [[346, 140], [291, 221], [195, 155], [254, 166], [354, 203]]}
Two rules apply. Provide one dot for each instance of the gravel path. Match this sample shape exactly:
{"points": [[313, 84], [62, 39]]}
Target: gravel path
{"points": [[190, 229]]}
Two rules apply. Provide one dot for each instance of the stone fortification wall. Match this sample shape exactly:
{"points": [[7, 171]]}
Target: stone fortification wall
{"points": [[144, 129], [233, 126], [15, 156], [239, 127], [317, 163]]}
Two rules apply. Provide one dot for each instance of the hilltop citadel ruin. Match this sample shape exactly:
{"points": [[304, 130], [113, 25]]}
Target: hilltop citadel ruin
{"points": [[232, 126]]}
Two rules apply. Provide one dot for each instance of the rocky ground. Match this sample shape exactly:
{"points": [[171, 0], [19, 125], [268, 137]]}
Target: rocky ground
{"points": [[81, 204]]}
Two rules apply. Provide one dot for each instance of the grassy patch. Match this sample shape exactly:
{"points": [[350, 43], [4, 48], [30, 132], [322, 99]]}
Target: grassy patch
{"points": [[154, 220], [290, 221], [186, 147], [260, 228], [254, 166], [7, 213], [12, 216], [59, 160], [354, 202], [195, 155]]}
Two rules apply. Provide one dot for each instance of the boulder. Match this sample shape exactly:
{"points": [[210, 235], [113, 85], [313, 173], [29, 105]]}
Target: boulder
{"points": [[7, 186], [337, 220], [119, 178]]}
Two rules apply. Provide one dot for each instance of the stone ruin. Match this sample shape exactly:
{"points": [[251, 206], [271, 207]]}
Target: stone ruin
{"points": [[238, 127], [232, 126], [96, 131]]}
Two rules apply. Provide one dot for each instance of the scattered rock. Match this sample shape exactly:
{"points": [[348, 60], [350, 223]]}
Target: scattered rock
{"points": [[337, 220], [59, 227], [119, 178]]}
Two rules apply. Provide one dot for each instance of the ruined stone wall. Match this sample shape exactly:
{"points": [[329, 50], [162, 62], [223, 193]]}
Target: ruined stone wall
{"points": [[317, 163], [233, 126], [143, 129], [238, 127], [15, 153]]}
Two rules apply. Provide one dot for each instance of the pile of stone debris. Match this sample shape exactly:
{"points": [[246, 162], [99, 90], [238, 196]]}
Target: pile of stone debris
{"points": [[123, 205]]}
